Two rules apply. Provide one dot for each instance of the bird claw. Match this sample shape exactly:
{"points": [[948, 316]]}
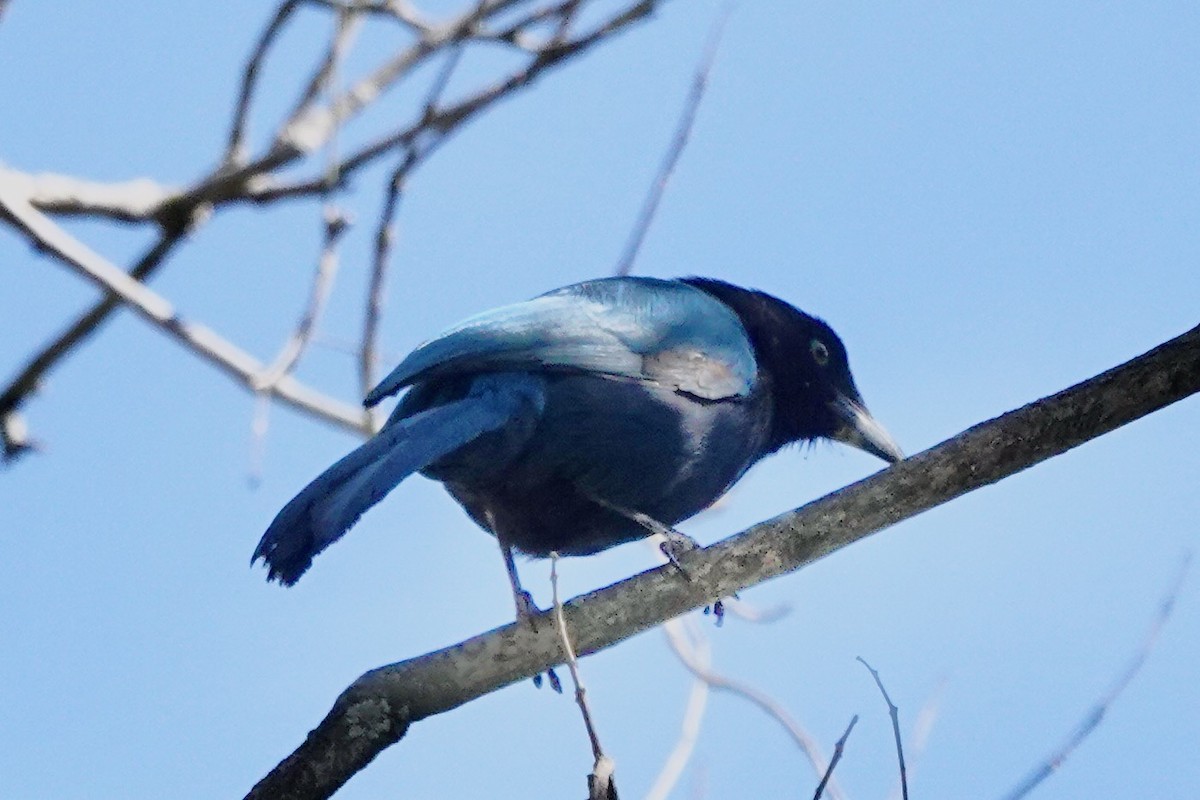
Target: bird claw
{"points": [[676, 544], [527, 613], [717, 609], [527, 610], [552, 677]]}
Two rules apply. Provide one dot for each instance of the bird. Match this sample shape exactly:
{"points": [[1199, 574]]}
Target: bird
{"points": [[592, 415]]}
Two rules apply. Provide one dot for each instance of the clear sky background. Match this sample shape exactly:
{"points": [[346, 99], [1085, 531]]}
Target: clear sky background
{"points": [[989, 202]]}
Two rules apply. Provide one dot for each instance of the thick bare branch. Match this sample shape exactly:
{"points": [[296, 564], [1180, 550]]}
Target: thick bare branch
{"points": [[376, 710]]}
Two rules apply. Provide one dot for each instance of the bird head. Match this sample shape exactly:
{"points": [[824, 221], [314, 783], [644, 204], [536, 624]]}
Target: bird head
{"points": [[804, 366]]}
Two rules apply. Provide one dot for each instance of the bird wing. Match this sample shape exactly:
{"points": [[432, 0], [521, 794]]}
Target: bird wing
{"points": [[329, 506], [647, 329]]}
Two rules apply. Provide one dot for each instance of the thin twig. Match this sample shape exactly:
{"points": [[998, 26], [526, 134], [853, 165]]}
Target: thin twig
{"points": [[922, 729], [324, 77], [398, 10], [895, 714], [385, 232], [693, 716], [239, 180], [335, 224], [152, 307], [804, 740], [837, 756], [30, 377], [601, 785], [1094, 717], [235, 148], [289, 355], [683, 132]]}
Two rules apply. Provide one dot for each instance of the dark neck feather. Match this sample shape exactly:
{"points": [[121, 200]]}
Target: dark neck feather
{"points": [[780, 335]]}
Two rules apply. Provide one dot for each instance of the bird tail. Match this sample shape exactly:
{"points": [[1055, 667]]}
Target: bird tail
{"points": [[330, 505]]}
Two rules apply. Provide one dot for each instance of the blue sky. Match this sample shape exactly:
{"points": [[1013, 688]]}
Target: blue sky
{"points": [[988, 201]]}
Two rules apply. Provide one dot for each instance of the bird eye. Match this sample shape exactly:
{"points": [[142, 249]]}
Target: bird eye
{"points": [[820, 352]]}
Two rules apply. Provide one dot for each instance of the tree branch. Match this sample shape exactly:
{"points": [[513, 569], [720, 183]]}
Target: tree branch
{"points": [[377, 709], [804, 740], [253, 179], [155, 309], [135, 200]]}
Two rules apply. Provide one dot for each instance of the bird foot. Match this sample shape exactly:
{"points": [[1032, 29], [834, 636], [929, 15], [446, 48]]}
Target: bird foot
{"points": [[551, 677], [527, 614], [527, 610], [674, 545], [717, 609]]}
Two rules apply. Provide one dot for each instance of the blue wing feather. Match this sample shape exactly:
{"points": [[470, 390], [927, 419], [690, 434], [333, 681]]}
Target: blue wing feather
{"points": [[646, 329], [329, 506]]}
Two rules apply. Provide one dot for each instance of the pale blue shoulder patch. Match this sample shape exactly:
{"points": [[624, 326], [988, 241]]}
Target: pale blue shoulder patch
{"points": [[659, 331]]}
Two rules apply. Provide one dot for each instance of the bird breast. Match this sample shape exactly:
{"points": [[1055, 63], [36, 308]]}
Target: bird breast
{"points": [[625, 443]]}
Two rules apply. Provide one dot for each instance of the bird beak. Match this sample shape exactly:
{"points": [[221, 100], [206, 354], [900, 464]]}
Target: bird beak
{"points": [[859, 429]]}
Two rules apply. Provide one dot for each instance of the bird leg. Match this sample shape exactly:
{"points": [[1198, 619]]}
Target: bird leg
{"points": [[674, 543], [523, 600], [527, 610]]}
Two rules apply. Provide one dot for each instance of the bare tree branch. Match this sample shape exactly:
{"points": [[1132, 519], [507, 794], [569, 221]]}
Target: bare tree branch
{"points": [[323, 78], [894, 713], [700, 652], [804, 740], [27, 380], [137, 200], [838, 749], [385, 232], [398, 10], [683, 132], [922, 728], [152, 307], [235, 149], [456, 114], [377, 709], [601, 782], [335, 225], [243, 179]]}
